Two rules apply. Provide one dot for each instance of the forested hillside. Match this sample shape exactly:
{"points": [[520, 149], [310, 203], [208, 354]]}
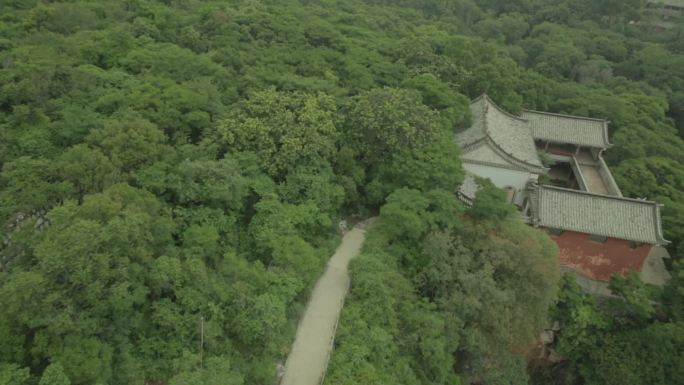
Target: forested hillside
{"points": [[173, 172]]}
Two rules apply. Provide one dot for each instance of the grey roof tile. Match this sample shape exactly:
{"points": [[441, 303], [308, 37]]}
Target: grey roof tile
{"points": [[487, 154], [568, 129], [509, 134], [605, 215]]}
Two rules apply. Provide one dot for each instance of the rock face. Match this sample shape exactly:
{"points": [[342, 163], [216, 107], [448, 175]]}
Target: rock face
{"points": [[547, 337], [554, 357], [542, 353], [342, 226]]}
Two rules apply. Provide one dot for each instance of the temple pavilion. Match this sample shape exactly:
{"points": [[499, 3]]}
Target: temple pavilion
{"points": [[552, 168]]}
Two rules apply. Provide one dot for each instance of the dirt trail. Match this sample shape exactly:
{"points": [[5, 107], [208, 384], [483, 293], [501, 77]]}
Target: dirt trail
{"points": [[310, 352]]}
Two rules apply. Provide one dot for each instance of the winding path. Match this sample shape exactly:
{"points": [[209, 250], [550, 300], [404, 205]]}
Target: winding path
{"points": [[308, 359]]}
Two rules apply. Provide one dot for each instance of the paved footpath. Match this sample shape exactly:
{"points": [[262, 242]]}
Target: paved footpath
{"points": [[308, 359]]}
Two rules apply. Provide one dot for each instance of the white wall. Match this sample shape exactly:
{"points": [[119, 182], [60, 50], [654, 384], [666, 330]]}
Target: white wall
{"points": [[501, 177]]}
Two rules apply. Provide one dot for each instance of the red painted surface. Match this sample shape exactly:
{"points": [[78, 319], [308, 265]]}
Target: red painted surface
{"points": [[599, 260]]}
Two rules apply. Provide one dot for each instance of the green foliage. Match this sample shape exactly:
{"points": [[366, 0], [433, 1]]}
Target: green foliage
{"points": [[11, 374], [621, 339], [634, 299], [54, 375], [673, 296], [438, 95], [284, 130], [403, 213], [434, 166], [490, 203], [384, 121], [129, 141], [423, 270], [409, 215], [216, 371], [387, 334], [166, 161], [492, 268], [29, 185], [87, 170], [662, 180], [582, 321], [648, 356]]}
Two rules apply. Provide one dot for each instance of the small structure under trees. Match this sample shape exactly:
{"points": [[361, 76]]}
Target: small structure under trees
{"points": [[667, 9], [552, 168], [662, 14]]}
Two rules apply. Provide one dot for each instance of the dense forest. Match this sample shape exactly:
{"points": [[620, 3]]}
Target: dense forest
{"points": [[173, 171]]}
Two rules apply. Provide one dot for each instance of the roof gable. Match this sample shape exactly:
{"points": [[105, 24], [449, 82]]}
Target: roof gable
{"points": [[568, 129], [605, 215], [510, 135], [487, 153]]}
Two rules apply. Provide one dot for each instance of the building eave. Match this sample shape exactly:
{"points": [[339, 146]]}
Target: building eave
{"points": [[514, 163], [551, 221]]}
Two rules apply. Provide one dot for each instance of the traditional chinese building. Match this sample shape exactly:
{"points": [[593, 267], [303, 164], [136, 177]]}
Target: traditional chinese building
{"points": [[552, 167], [662, 14], [667, 9]]}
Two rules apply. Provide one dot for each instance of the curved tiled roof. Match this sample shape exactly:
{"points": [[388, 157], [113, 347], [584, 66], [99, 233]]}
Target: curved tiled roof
{"points": [[568, 129], [605, 215], [672, 3], [508, 134]]}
